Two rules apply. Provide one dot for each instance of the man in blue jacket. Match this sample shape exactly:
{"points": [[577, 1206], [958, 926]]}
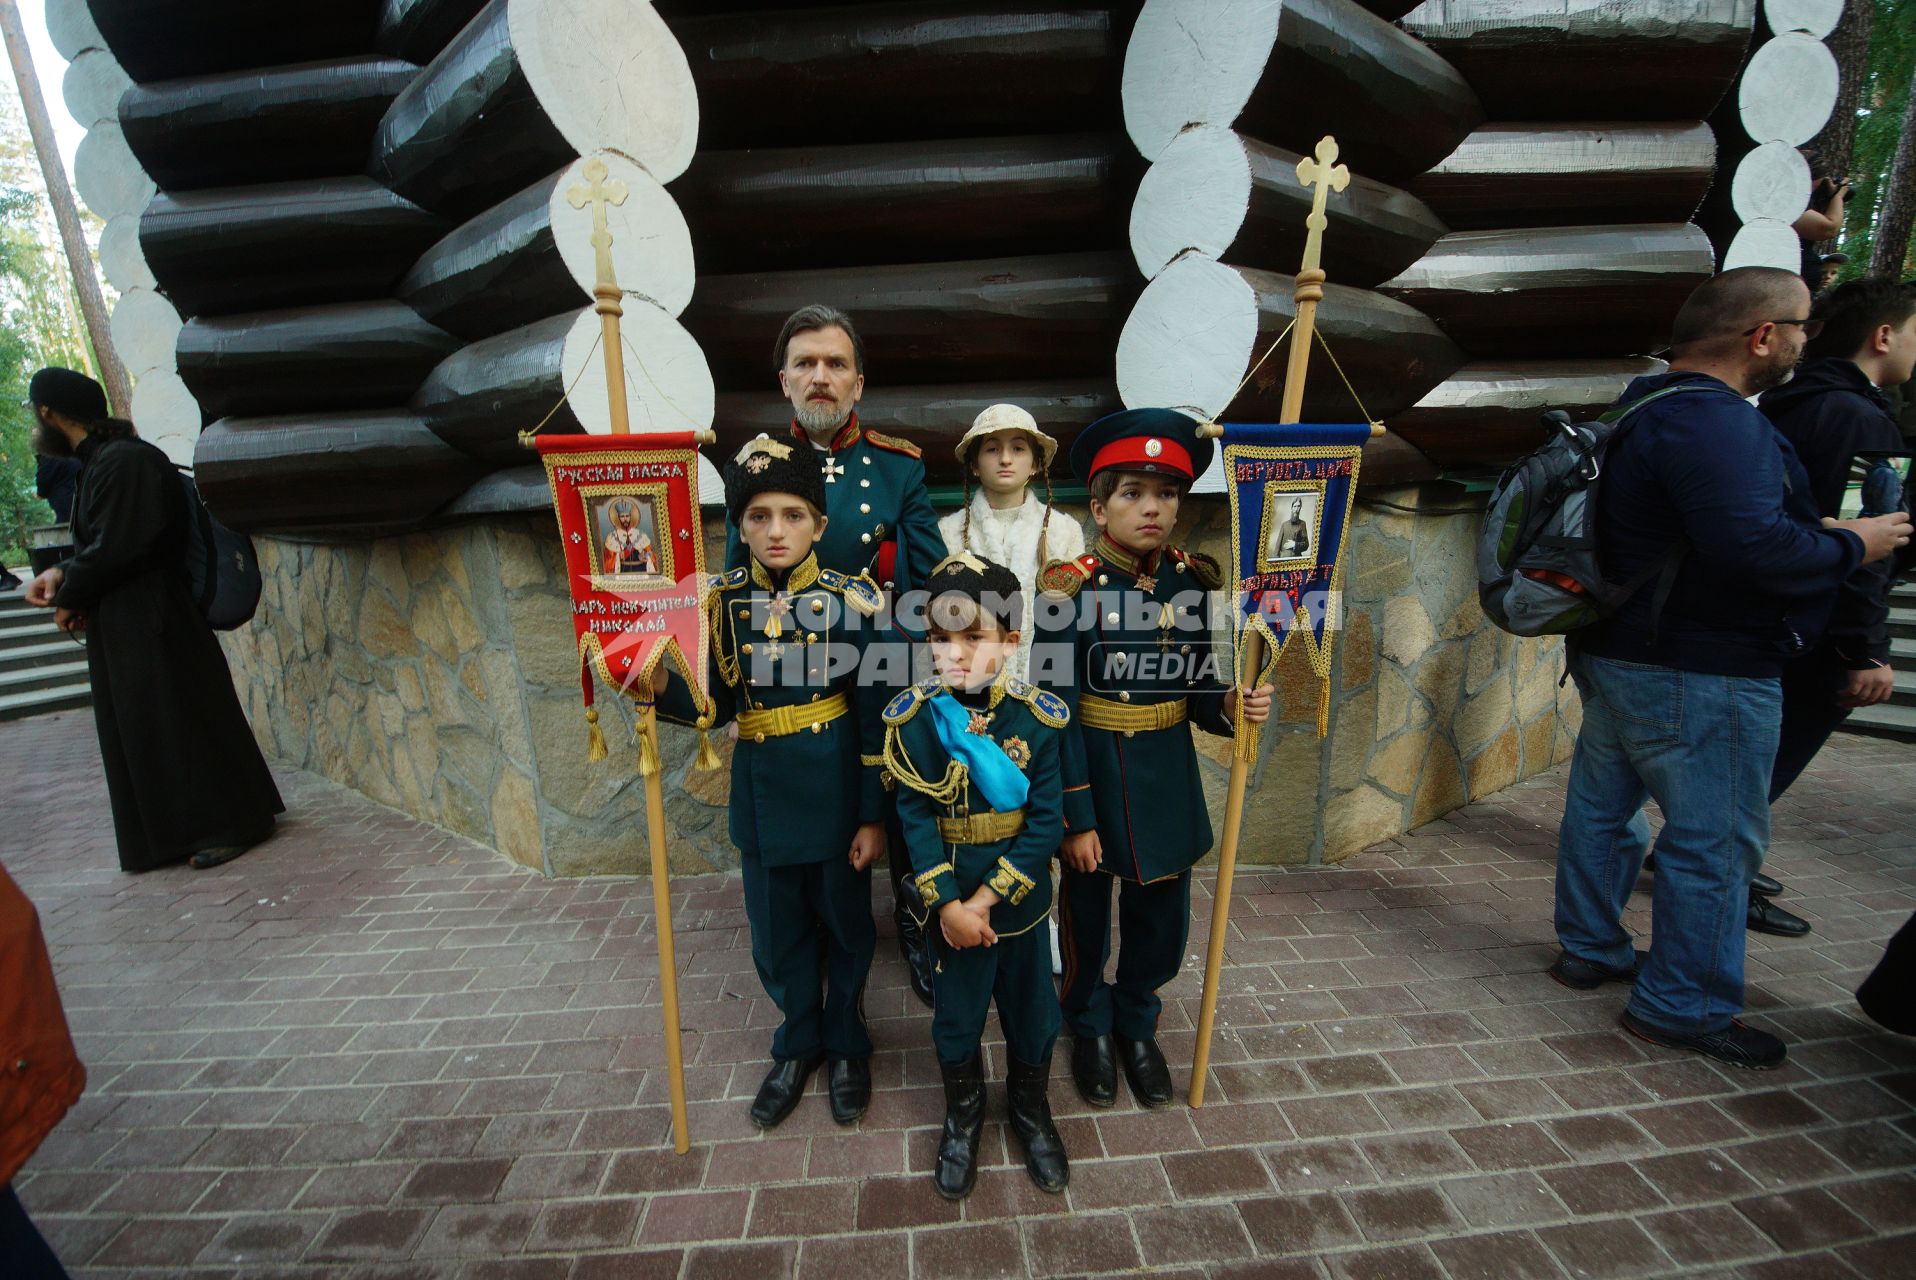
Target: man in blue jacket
{"points": [[1681, 691]]}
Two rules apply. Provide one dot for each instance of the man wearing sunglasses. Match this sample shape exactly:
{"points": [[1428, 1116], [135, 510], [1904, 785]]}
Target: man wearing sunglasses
{"points": [[1681, 687]]}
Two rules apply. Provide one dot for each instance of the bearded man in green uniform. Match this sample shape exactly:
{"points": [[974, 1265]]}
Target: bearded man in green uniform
{"points": [[1134, 659], [879, 516]]}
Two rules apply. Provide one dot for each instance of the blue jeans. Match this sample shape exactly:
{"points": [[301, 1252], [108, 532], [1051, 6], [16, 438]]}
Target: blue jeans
{"points": [[1702, 746]]}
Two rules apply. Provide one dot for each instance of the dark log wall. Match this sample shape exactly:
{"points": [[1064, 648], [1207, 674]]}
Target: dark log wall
{"points": [[954, 175], [354, 218]]}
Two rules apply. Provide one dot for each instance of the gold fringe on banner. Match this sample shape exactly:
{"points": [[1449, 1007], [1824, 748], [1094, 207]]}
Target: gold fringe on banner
{"points": [[648, 755], [595, 737]]}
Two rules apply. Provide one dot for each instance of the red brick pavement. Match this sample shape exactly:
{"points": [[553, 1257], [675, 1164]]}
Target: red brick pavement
{"points": [[374, 1049]]}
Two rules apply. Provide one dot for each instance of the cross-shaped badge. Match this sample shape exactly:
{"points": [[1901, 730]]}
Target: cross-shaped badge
{"points": [[773, 651], [980, 723], [832, 470]]}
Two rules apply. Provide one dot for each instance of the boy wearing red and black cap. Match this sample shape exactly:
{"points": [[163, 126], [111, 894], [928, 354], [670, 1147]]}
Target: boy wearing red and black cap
{"points": [[1135, 661]]}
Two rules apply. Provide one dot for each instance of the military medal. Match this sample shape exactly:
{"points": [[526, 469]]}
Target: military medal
{"points": [[980, 722], [832, 470]]}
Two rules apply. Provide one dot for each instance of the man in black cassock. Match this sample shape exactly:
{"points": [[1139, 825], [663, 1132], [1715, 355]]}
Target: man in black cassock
{"points": [[183, 774]]}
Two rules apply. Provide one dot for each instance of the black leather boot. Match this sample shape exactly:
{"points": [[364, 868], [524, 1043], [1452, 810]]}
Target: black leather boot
{"points": [[957, 1169], [913, 945], [1094, 1066], [1145, 1071], [1029, 1087]]}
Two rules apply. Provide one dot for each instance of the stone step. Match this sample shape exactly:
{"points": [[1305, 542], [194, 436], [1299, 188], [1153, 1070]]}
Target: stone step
{"points": [[38, 702], [1886, 721], [1902, 621], [46, 676], [22, 633], [50, 652]]}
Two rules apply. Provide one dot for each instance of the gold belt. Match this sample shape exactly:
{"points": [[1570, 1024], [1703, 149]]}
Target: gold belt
{"points": [[982, 828], [776, 722], [1103, 713]]}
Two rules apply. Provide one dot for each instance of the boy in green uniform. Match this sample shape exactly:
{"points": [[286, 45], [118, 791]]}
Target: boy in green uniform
{"points": [[975, 753], [1139, 668], [787, 638]]}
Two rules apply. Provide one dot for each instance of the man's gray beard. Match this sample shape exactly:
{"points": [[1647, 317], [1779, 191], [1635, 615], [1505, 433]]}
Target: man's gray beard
{"points": [[1774, 376], [820, 419]]}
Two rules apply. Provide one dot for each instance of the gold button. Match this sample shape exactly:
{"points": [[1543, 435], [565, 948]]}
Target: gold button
{"points": [[1130, 733], [745, 648], [864, 484], [818, 606], [1180, 566], [1111, 618], [1184, 648], [867, 461], [744, 613], [865, 508], [1124, 695], [864, 537], [814, 697], [811, 637], [818, 728], [758, 737], [880, 531]]}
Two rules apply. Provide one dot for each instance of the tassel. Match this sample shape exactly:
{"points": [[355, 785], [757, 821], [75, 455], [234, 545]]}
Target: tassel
{"points": [[648, 755], [707, 758], [595, 737], [1324, 710]]}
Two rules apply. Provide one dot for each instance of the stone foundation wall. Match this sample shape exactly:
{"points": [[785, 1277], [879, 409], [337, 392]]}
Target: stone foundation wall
{"points": [[435, 673]]}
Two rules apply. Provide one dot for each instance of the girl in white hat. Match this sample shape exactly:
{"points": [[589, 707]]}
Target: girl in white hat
{"points": [[1002, 520]]}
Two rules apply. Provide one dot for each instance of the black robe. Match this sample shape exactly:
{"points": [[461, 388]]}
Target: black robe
{"points": [[183, 772]]}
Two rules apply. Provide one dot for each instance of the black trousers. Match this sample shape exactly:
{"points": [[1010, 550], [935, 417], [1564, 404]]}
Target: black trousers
{"points": [[1154, 921], [1810, 715]]}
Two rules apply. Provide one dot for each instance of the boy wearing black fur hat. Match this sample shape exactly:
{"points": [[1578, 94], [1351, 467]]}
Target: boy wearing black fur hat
{"points": [[787, 639], [975, 752], [1141, 670]]}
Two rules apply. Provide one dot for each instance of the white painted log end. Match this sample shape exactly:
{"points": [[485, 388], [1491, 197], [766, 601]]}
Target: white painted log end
{"points": [[1193, 64], [610, 76], [108, 177], [1189, 339], [1815, 18], [1788, 90], [163, 407], [1194, 199], [121, 257], [651, 245], [1765, 243], [1773, 182], [71, 28], [668, 385], [145, 329], [92, 87]]}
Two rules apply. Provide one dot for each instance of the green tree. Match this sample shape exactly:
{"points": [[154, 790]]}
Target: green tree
{"points": [[39, 323], [1879, 124]]}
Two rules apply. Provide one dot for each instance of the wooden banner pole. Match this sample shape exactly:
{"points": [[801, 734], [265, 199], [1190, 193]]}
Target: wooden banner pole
{"points": [[599, 191], [1323, 174]]}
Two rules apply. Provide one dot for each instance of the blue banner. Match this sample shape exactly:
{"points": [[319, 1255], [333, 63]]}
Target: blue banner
{"points": [[1291, 488]]}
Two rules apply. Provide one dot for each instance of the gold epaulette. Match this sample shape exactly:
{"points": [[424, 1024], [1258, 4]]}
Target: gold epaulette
{"points": [[1064, 578], [1202, 567], [893, 444], [862, 594], [721, 582], [1048, 707]]}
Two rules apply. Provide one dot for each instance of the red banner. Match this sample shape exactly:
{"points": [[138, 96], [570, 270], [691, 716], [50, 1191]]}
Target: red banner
{"points": [[628, 509]]}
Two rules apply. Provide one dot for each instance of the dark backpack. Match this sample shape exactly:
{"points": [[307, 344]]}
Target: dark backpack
{"points": [[1538, 568], [222, 569]]}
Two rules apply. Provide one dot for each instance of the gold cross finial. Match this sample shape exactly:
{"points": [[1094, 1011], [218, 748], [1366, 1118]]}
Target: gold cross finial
{"points": [[598, 190], [1324, 175]]}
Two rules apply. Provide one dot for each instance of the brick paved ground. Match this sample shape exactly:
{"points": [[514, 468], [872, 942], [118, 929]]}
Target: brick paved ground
{"points": [[374, 1049]]}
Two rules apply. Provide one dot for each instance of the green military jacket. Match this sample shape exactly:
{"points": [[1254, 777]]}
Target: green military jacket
{"points": [[879, 515], [1027, 723], [796, 797], [1138, 634]]}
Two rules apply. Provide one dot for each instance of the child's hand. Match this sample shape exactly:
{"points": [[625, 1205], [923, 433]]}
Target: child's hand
{"points": [[1083, 851], [983, 901], [868, 845], [1257, 703], [964, 927], [661, 677]]}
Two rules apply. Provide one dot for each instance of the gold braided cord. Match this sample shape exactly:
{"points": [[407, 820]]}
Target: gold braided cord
{"points": [[1341, 374], [1276, 342], [584, 368], [949, 790]]}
